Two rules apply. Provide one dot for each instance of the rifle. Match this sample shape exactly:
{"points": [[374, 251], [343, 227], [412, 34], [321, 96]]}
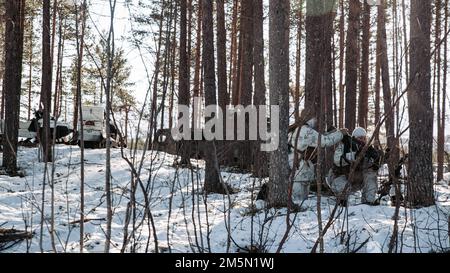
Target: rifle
{"points": [[353, 144]]}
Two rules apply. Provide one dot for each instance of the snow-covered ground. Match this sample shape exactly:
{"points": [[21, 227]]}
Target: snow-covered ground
{"points": [[194, 223]]}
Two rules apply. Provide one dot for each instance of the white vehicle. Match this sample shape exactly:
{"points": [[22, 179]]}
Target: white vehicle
{"points": [[93, 124], [94, 130], [23, 129], [28, 129]]}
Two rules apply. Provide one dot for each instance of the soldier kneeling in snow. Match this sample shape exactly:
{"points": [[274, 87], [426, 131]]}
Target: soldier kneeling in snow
{"points": [[365, 175], [306, 146]]}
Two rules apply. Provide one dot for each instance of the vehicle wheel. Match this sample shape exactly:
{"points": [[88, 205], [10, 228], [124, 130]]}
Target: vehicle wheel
{"points": [[102, 144], [87, 144]]}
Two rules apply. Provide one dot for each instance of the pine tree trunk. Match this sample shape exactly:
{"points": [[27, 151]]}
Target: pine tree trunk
{"points": [[246, 75], [420, 171], [80, 51], [318, 81], [245, 91], [341, 63], [298, 62], [197, 69], [377, 86], [46, 84], [2, 61], [234, 55], [30, 64], [75, 113], [351, 67], [387, 97], [279, 95], [237, 71], [314, 31], [259, 96], [154, 103], [183, 83], [405, 41], [110, 53], [52, 52], [319, 31], [167, 56], [441, 112], [222, 56], [326, 90], [59, 62], [212, 182], [173, 66], [222, 92], [12, 81], [189, 36], [327, 72], [364, 82]]}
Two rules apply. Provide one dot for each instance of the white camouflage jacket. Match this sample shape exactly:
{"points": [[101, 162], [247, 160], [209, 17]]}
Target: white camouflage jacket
{"points": [[308, 137]]}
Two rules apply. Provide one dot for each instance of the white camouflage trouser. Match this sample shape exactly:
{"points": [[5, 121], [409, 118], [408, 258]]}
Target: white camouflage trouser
{"points": [[303, 177], [300, 190], [368, 185]]}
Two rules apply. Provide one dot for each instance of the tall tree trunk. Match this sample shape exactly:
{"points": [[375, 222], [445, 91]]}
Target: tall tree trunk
{"points": [[333, 74], [298, 61], [197, 69], [110, 53], [327, 73], [259, 96], [420, 171], [405, 41], [377, 85], [233, 84], [166, 61], [326, 89], [351, 67], [52, 49], [341, 63], [30, 64], [59, 62], [212, 182], [173, 65], [441, 112], [154, 107], [60, 78], [246, 36], [80, 49], [46, 84], [387, 94], [246, 73], [314, 31], [238, 71], [318, 78], [279, 95], [318, 47], [183, 82], [12, 81], [189, 36], [324, 112], [222, 92], [364, 82], [222, 56], [2, 61]]}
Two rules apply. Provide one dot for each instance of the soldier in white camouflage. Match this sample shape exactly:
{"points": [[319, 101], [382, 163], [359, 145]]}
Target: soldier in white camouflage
{"points": [[306, 146], [365, 174]]}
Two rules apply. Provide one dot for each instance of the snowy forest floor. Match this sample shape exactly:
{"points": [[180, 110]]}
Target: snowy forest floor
{"points": [[196, 224]]}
